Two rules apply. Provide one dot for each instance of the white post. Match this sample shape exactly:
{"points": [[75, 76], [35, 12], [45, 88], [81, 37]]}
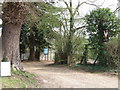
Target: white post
{"points": [[5, 69]]}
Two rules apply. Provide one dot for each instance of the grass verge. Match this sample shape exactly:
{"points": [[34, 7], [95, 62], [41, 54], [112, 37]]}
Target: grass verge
{"points": [[20, 80], [95, 68]]}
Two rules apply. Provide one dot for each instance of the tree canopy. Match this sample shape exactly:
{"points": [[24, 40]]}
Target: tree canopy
{"points": [[102, 25]]}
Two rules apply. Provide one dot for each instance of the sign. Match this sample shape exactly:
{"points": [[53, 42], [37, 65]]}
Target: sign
{"points": [[5, 69], [46, 51], [105, 37]]}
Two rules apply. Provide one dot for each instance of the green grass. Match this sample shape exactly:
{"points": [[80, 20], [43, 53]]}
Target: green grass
{"points": [[20, 80], [0, 82], [24, 74], [95, 68]]}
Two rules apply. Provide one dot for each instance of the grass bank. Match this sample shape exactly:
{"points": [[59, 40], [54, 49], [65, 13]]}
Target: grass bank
{"points": [[20, 80], [96, 69]]}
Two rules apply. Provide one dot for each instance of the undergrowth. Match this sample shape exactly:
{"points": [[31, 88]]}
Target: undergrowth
{"points": [[95, 68]]}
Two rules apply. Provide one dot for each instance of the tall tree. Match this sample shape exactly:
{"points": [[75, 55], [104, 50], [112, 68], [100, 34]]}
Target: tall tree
{"points": [[69, 24], [102, 24], [33, 39], [40, 33], [13, 16]]}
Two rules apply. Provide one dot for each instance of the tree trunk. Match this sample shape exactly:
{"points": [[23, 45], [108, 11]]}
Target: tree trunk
{"points": [[32, 53], [69, 60], [1, 55], [71, 33], [37, 54], [13, 16], [10, 43]]}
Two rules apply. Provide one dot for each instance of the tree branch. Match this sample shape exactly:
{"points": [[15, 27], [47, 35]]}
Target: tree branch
{"points": [[67, 5], [78, 7], [80, 27], [84, 3], [92, 4], [116, 9]]}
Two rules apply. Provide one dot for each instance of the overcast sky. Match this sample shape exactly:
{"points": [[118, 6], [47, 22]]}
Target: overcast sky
{"points": [[85, 8]]}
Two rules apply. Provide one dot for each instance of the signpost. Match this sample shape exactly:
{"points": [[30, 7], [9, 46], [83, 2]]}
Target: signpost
{"points": [[46, 52]]}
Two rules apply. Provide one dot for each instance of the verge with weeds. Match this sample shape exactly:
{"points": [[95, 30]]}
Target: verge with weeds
{"points": [[20, 80]]}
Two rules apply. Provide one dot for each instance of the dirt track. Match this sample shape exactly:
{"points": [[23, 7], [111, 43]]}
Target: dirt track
{"points": [[62, 77]]}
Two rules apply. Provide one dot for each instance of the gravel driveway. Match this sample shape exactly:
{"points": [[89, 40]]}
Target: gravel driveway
{"points": [[50, 76]]}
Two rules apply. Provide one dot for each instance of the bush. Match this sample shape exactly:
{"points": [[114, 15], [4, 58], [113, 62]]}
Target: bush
{"points": [[5, 59], [113, 50]]}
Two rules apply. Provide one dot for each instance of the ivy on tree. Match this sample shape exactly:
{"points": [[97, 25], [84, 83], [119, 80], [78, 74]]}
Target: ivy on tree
{"points": [[102, 24]]}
